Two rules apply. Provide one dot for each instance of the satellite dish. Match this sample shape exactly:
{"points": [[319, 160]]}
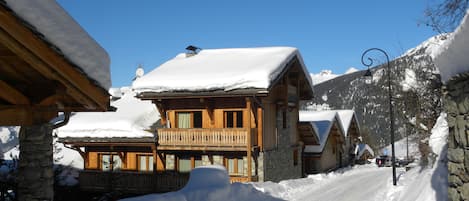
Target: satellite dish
{"points": [[139, 72]]}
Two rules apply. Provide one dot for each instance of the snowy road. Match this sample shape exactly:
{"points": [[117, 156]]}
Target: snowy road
{"points": [[362, 185]]}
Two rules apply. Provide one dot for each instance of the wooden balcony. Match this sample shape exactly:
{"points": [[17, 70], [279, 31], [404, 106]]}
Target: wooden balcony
{"points": [[216, 139], [132, 182]]}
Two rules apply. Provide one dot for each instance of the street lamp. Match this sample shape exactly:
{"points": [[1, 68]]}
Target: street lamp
{"points": [[368, 78]]}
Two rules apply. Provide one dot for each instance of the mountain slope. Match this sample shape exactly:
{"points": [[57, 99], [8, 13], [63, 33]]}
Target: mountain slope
{"points": [[415, 89]]}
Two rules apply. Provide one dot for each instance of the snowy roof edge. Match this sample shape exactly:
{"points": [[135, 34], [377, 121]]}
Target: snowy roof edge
{"points": [[83, 56]]}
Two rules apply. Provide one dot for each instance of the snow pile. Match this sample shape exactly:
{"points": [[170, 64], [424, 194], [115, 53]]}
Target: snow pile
{"points": [[131, 119], [451, 58], [220, 69], [65, 158], [63, 31], [209, 183], [8, 138]]}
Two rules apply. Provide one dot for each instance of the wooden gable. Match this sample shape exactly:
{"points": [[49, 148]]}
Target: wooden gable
{"points": [[36, 80]]}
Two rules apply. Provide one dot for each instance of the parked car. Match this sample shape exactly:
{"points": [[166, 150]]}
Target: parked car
{"points": [[383, 160]]}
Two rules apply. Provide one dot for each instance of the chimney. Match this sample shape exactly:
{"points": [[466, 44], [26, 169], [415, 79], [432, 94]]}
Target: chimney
{"points": [[192, 50]]}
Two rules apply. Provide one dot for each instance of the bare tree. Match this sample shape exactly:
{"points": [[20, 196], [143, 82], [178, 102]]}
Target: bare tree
{"points": [[444, 17]]}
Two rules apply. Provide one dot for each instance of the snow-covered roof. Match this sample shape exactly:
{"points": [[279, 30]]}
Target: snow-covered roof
{"points": [[361, 148], [130, 120], [451, 58], [346, 117], [60, 29], [322, 121], [221, 69]]}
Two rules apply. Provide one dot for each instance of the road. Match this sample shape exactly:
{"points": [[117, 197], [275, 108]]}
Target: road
{"points": [[369, 184]]}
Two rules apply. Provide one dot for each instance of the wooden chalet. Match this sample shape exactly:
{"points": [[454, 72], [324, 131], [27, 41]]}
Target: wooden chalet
{"points": [[363, 153], [233, 107], [40, 78], [329, 137], [202, 127]]}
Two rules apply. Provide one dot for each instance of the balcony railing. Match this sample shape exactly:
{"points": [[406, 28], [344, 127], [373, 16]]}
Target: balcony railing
{"points": [[207, 139], [131, 182]]}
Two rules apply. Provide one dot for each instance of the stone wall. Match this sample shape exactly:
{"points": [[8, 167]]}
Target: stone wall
{"points": [[279, 163], [35, 169], [457, 108]]}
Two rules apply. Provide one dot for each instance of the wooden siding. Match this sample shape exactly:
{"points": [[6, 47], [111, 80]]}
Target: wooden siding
{"points": [[131, 182]]}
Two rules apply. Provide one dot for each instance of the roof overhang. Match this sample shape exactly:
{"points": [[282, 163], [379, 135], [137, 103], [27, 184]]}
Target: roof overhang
{"points": [[36, 80]]}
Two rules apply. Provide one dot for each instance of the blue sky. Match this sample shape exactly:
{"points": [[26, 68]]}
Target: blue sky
{"points": [[329, 34]]}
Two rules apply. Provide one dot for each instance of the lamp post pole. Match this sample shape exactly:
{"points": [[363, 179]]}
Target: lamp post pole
{"points": [[391, 114]]}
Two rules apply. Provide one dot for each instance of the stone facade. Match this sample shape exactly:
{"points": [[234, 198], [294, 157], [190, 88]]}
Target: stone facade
{"points": [[457, 107], [280, 163], [35, 169]]}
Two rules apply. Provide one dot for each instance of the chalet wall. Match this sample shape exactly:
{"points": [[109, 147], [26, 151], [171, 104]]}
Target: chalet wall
{"points": [[457, 108], [281, 163], [328, 160]]}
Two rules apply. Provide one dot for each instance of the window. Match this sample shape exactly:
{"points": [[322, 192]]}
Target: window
{"points": [[110, 161], [233, 119], [145, 162], [189, 119], [184, 164], [235, 166], [170, 162]]}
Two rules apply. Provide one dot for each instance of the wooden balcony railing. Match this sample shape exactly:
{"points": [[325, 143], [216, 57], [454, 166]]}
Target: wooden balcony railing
{"points": [[207, 139], [131, 182]]}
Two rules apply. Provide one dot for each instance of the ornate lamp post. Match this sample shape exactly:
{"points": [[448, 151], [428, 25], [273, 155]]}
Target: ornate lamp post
{"points": [[368, 77]]}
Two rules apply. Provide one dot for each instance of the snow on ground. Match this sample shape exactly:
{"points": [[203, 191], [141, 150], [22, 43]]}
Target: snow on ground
{"points": [[358, 183], [59, 28], [210, 183], [401, 148], [8, 138]]}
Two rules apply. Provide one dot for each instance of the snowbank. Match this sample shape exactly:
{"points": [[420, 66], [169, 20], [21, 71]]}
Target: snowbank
{"points": [[63, 31], [209, 183], [451, 58], [427, 183]]}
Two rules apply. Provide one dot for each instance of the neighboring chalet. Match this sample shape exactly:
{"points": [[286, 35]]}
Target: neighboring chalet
{"points": [[49, 65], [363, 152], [118, 148], [234, 107], [329, 139]]}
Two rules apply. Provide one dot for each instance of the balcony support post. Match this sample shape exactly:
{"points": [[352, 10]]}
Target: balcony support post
{"points": [[249, 133]]}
